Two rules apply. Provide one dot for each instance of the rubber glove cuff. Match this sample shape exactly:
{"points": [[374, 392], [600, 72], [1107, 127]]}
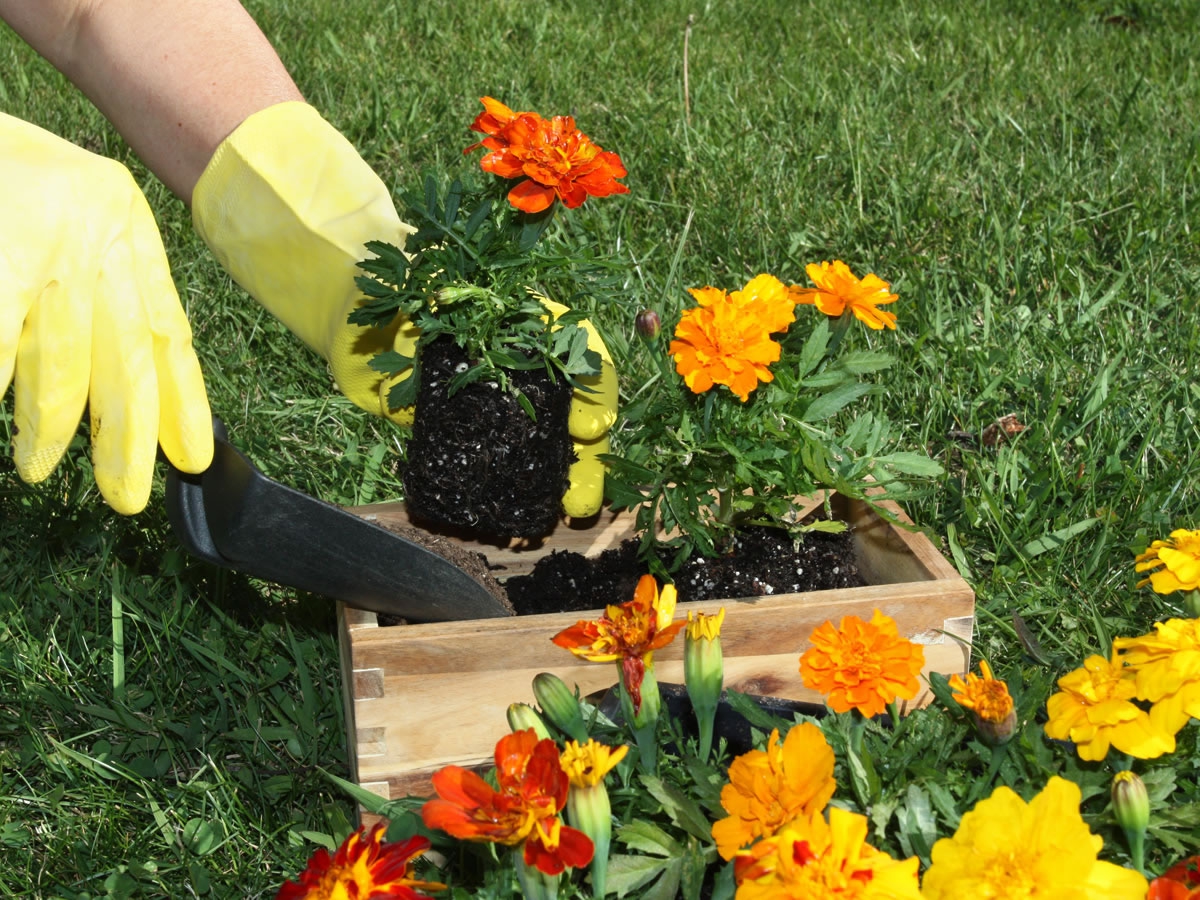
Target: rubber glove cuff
{"points": [[286, 205]]}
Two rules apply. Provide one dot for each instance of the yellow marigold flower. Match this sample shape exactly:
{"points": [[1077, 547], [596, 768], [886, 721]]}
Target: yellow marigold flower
{"points": [[862, 665], [1095, 709], [588, 764], [1173, 564], [810, 859], [701, 626], [1167, 669], [768, 788], [837, 289], [722, 344], [1007, 849]]}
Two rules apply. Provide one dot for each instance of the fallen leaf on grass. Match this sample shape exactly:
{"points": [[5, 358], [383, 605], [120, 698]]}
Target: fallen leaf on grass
{"points": [[1001, 430]]}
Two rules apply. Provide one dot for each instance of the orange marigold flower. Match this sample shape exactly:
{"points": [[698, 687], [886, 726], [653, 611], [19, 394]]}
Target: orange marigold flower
{"points": [[554, 158], [525, 810], [811, 859], [721, 344], [837, 289], [770, 788], [1166, 667], [983, 694], [364, 867], [1094, 709], [492, 122], [1173, 564], [989, 700], [1180, 882], [862, 665], [764, 298], [629, 633]]}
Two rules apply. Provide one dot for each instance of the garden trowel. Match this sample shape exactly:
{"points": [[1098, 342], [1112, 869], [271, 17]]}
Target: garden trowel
{"points": [[235, 517]]}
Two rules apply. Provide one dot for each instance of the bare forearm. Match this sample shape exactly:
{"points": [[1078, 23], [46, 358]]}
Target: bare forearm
{"points": [[175, 77]]}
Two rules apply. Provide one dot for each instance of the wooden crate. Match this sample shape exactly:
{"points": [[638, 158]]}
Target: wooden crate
{"points": [[419, 697]]}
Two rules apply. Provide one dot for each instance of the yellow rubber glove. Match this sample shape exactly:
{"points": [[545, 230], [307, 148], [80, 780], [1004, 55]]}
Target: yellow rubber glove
{"points": [[287, 205], [89, 315]]}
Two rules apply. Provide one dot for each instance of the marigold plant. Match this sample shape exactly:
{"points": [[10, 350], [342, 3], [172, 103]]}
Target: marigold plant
{"points": [[1007, 849], [862, 665], [628, 634], [363, 866], [743, 412]]}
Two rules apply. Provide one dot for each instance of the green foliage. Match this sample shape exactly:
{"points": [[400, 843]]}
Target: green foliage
{"points": [[470, 273], [699, 467]]}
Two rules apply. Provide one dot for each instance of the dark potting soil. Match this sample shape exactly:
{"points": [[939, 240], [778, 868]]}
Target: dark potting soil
{"points": [[764, 561], [477, 459]]}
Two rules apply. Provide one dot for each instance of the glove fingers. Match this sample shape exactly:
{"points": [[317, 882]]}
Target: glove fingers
{"points": [[53, 367], [592, 414], [123, 399], [184, 417], [586, 476]]}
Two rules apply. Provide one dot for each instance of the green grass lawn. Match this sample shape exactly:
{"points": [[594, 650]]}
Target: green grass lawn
{"points": [[1024, 174]]}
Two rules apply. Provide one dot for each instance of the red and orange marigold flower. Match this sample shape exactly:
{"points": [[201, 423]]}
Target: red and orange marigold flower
{"points": [[553, 157], [838, 289], [628, 633], [363, 867], [1180, 882], [862, 665], [524, 811]]}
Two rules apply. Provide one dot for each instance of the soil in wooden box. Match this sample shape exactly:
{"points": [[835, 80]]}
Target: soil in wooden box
{"points": [[477, 459], [762, 562]]}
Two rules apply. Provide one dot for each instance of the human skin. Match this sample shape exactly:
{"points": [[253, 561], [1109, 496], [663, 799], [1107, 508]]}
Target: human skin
{"points": [[175, 77]]}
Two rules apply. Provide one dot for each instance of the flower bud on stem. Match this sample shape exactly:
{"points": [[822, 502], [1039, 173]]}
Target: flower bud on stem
{"points": [[1131, 807], [644, 721], [704, 672], [560, 705]]}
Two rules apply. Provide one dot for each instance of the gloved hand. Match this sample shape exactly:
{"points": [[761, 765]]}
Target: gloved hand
{"points": [[89, 315], [287, 205]]}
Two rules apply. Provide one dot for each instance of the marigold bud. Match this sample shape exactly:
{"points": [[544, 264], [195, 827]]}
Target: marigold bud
{"points": [[1131, 808], [522, 716], [560, 705], [648, 324], [704, 671]]}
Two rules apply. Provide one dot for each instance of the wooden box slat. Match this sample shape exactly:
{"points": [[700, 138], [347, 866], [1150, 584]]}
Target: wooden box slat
{"points": [[419, 697]]}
